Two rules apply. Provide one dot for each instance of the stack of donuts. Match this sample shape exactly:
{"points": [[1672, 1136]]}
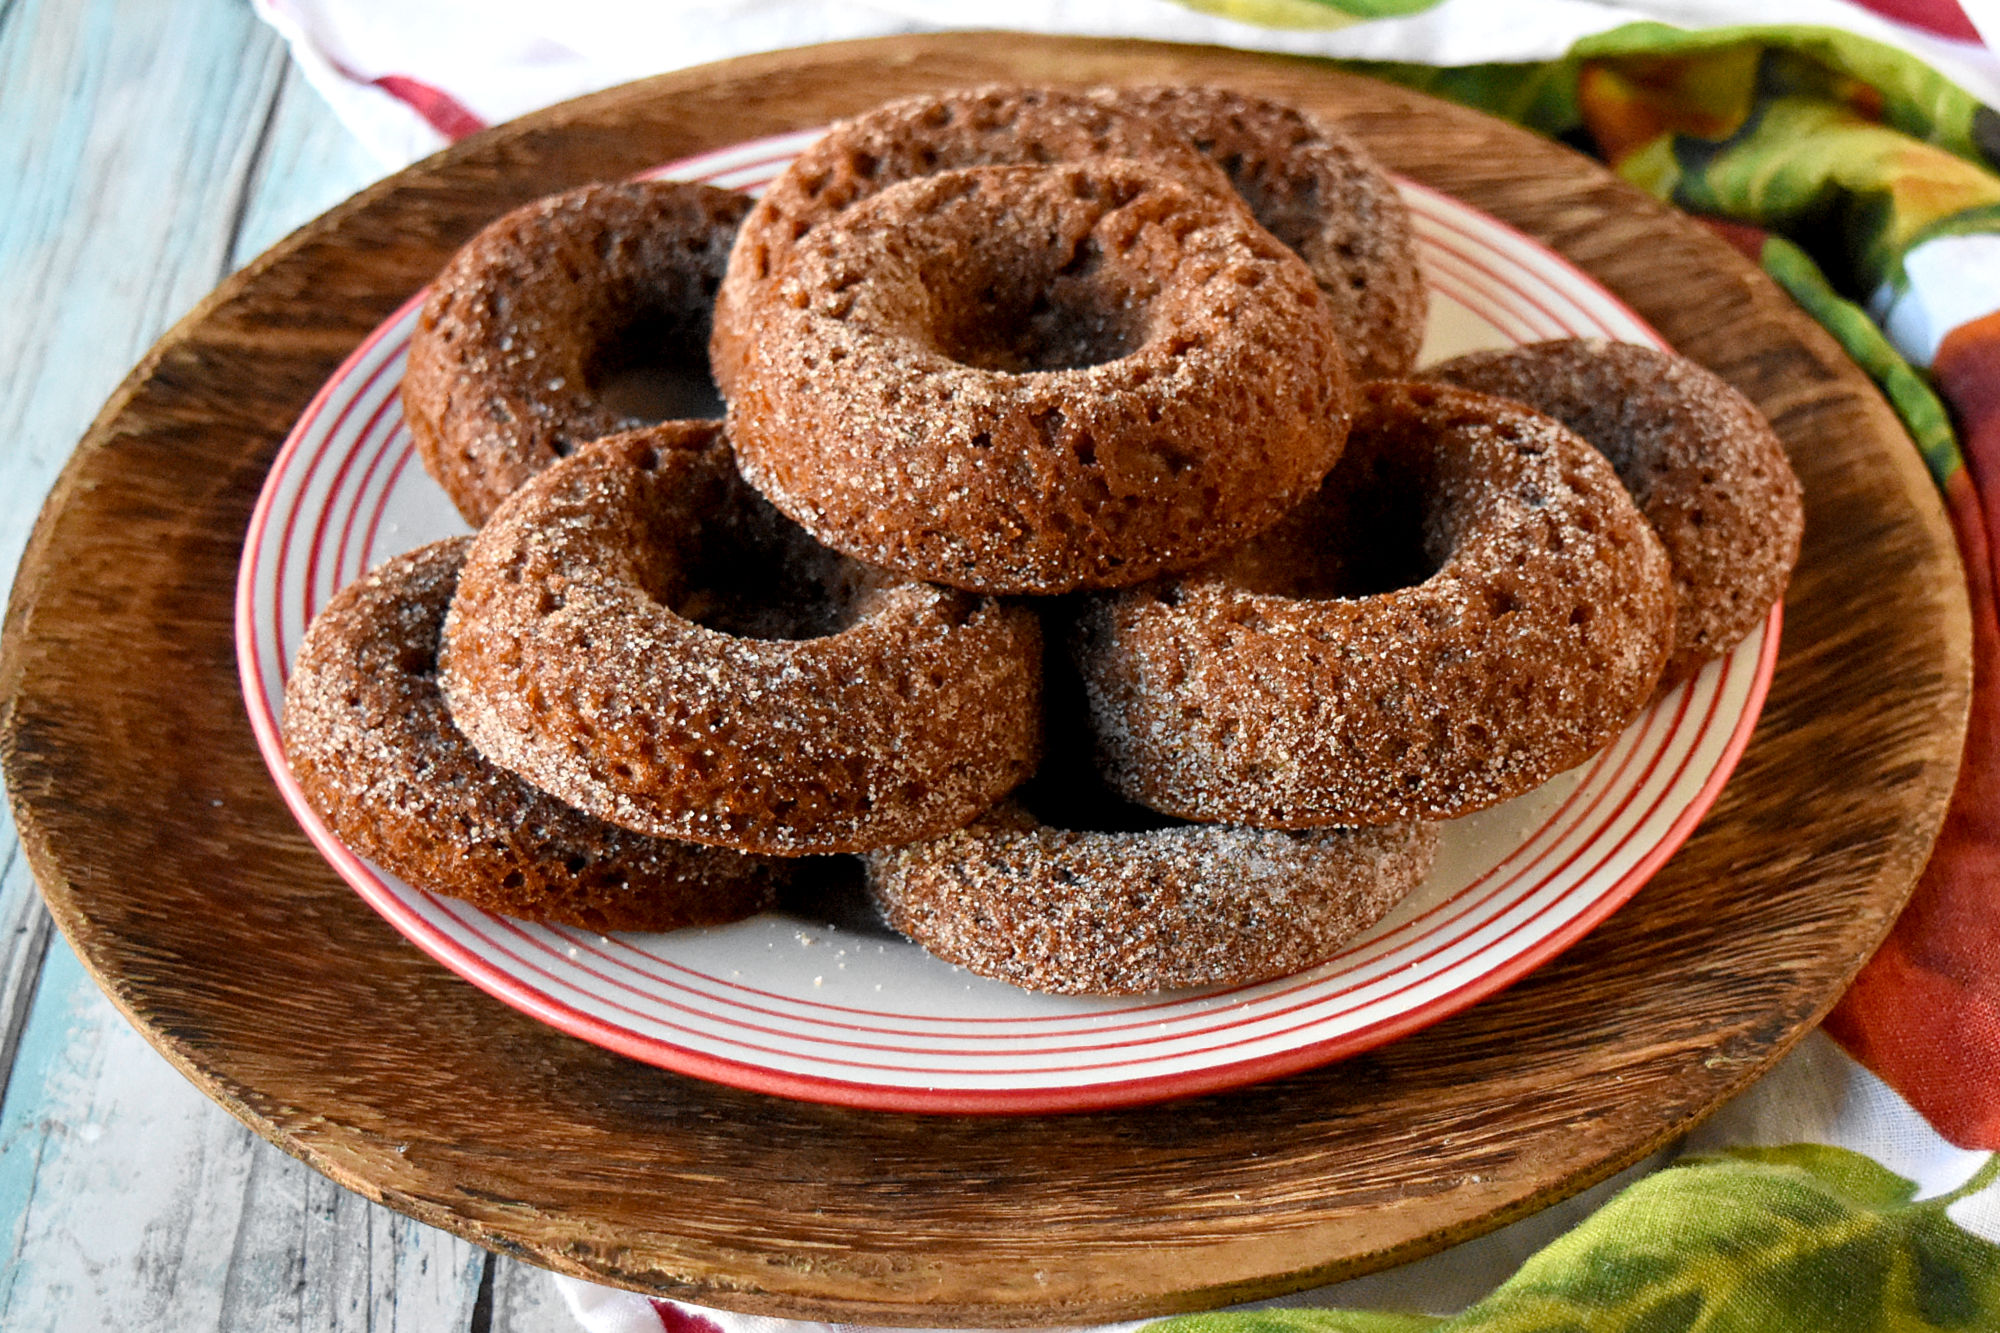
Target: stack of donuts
{"points": [[1081, 548]]}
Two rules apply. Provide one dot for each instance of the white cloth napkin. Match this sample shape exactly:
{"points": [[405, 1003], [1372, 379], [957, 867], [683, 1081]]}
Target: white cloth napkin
{"points": [[408, 75], [396, 70]]}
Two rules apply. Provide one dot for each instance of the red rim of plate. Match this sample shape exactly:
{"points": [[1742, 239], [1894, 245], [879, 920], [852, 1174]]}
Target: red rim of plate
{"points": [[1455, 273]]}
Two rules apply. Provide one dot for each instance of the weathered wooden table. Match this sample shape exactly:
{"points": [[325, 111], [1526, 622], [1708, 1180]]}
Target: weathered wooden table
{"points": [[148, 149], [157, 152]]}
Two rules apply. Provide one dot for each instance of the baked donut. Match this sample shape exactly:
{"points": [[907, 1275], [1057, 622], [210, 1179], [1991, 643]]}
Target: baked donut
{"points": [[1118, 913], [1066, 887], [637, 632], [919, 136], [1700, 460], [1321, 193], [521, 332], [376, 754], [1469, 606], [1038, 379]]}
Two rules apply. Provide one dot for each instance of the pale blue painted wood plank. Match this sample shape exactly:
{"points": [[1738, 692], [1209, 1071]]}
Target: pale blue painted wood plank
{"points": [[309, 163], [125, 131], [24, 940], [136, 1204], [311, 1256], [144, 150], [525, 1300]]}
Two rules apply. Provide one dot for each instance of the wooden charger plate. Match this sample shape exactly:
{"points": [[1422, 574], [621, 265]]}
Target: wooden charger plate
{"points": [[174, 868]]}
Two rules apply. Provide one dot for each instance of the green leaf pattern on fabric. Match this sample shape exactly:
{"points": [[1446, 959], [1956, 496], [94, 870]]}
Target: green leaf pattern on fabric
{"points": [[1800, 1239], [1813, 170], [1923, 413], [1809, 1237], [1851, 151], [1915, 98], [1862, 1179], [1299, 1320], [1541, 97]]}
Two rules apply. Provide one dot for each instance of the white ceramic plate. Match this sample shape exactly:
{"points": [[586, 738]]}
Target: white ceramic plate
{"points": [[844, 1011]]}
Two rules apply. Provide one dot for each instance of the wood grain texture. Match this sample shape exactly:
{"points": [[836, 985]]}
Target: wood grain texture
{"points": [[80, 130], [150, 149], [171, 863], [306, 162], [25, 929], [521, 1298], [133, 1205], [111, 231]]}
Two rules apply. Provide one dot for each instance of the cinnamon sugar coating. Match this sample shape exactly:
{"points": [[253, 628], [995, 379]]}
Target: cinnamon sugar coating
{"points": [[1038, 379], [528, 319], [1079, 912], [1469, 606], [640, 634], [1321, 193], [372, 747], [914, 137], [1700, 460]]}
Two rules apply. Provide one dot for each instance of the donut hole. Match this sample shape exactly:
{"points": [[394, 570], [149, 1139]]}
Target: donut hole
{"points": [[1288, 205], [1066, 791], [652, 366], [757, 575], [1020, 310], [417, 660], [1064, 327], [1074, 799], [833, 892], [1372, 528]]}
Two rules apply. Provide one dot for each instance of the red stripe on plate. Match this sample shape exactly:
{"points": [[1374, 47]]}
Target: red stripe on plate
{"points": [[1016, 1100], [1510, 282], [1445, 210], [332, 504], [1315, 979], [375, 521], [1317, 1001]]}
